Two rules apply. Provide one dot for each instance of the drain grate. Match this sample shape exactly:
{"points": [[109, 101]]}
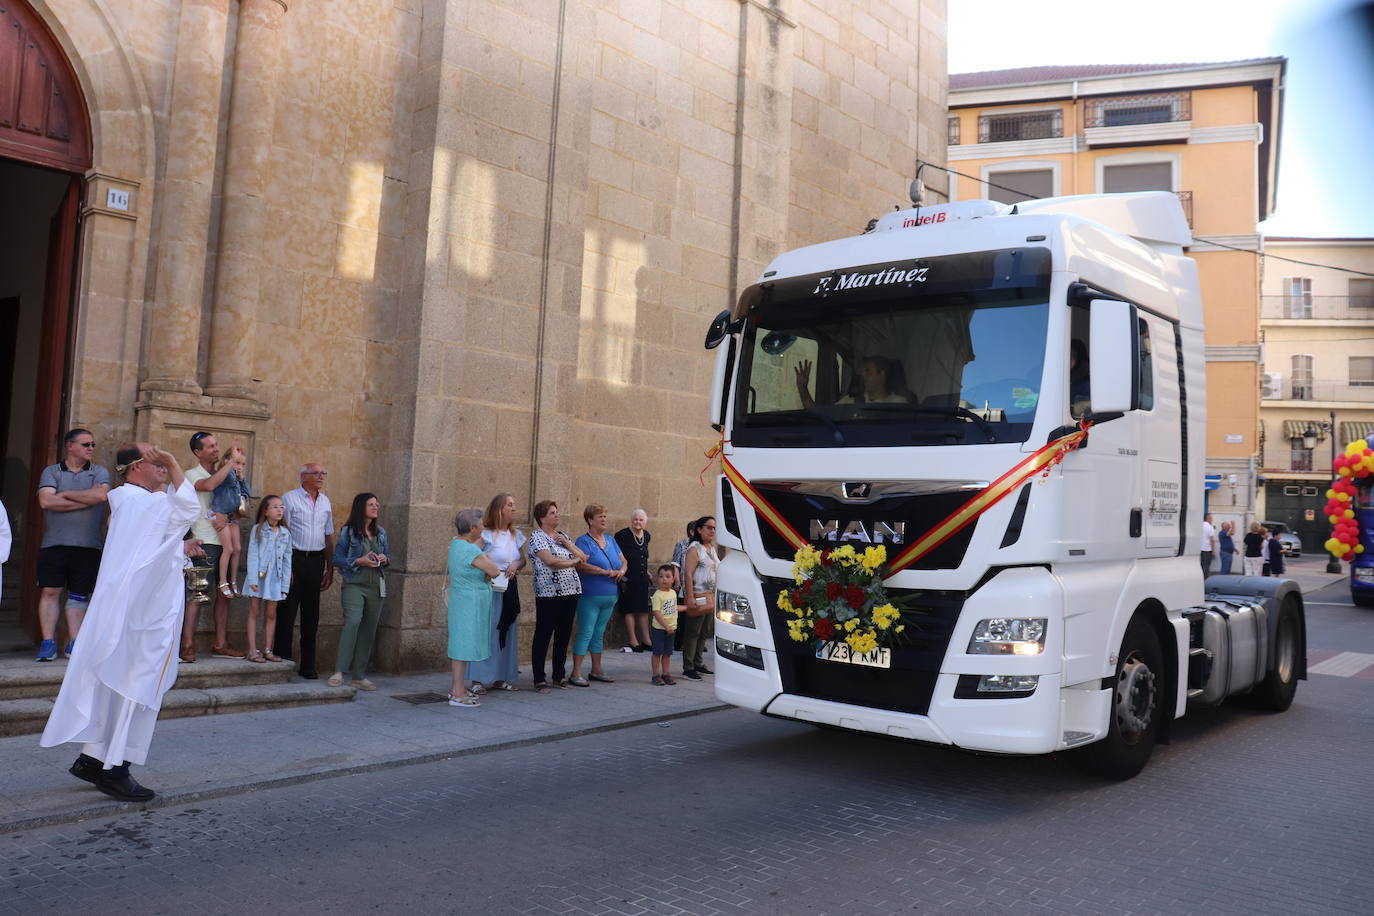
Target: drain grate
{"points": [[420, 699]]}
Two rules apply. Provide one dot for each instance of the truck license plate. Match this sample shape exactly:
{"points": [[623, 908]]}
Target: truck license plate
{"points": [[840, 652]]}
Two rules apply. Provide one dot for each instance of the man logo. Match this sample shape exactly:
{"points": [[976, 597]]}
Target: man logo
{"points": [[882, 532], [856, 490]]}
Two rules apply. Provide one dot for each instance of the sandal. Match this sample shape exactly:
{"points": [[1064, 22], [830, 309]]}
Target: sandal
{"points": [[256, 656], [504, 685], [478, 688], [578, 682], [601, 678], [269, 656], [364, 684], [657, 681], [336, 680], [561, 683], [226, 589], [468, 700], [542, 689]]}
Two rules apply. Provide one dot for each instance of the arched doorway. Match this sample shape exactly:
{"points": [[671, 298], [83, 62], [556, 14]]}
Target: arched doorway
{"points": [[45, 153]]}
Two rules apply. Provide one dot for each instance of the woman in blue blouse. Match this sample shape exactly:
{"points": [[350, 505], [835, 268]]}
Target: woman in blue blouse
{"points": [[600, 573], [360, 556]]}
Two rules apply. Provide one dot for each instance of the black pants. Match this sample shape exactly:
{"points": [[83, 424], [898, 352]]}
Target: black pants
{"points": [[307, 575], [553, 618]]}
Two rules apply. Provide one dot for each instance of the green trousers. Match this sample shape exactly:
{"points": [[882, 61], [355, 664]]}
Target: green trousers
{"points": [[362, 609]]}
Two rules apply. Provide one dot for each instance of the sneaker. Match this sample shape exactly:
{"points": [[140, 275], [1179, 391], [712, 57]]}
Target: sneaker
{"points": [[629, 648], [70, 646], [704, 670], [640, 648], [47, 651], [692, 674]]}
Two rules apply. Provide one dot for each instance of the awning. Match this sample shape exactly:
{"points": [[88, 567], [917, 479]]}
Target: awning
{"points": [[1355, 430], [1294, 429]]}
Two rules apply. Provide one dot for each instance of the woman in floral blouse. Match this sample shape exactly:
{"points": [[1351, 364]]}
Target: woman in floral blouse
{"points": [[554, 557]]}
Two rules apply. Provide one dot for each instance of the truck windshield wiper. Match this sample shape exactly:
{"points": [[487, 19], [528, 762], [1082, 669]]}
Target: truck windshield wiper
{"points": [[961, 412], [774, 416]]}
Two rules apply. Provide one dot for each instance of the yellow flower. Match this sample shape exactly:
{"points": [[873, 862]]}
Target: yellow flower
{"points": [[850, 624], [874, 557], [805, 560], [885, 615], [844, 555], [862, 642], [784, 602], [794, 630]]}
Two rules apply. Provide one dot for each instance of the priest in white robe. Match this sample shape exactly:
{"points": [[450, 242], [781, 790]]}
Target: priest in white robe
{"points": [[126, 660]]}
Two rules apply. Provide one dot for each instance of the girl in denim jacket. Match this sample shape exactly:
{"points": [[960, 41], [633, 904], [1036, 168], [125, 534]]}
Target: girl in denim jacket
{"points": [[269, 574], [230, 501]]}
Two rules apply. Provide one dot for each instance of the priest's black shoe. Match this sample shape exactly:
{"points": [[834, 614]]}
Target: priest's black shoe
{"points": [[88, 768], [117, 783]]}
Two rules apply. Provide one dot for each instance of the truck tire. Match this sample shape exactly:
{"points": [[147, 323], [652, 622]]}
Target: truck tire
{"points": [[1363, 599], [1137, 706], [1275, 692]]}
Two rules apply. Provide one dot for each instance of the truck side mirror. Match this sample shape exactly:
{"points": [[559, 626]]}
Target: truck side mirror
{"points": [[1112, 363], [720, 328]]}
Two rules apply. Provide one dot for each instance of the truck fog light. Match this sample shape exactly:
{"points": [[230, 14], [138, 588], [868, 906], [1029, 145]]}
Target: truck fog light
{"points": [[739, 652], [995, 686], [732, 608], [1008, 636]]}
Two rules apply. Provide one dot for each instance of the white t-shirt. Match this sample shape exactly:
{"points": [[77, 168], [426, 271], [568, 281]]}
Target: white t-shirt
{"points": [[1209, 536], [201, 527]]}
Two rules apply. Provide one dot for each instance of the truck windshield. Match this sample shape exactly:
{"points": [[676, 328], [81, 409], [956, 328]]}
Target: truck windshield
{"points": [[908, 367]]}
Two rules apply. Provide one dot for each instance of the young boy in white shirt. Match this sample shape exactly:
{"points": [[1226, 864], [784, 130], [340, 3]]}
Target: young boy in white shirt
{"points": [[664, 605]]}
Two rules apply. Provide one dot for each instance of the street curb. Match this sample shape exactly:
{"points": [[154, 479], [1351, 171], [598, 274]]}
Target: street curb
{"points": [[107, 809]]}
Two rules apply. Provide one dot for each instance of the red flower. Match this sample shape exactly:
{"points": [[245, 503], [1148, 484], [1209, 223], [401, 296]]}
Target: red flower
{"points": [[832, 591], [824, 628], [796, 598], [806, 586], [854, 596], [825, 558]]}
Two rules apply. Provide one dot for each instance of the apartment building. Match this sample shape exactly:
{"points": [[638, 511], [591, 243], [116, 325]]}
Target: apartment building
{"points": [[1207, 132], [1317, 323]]}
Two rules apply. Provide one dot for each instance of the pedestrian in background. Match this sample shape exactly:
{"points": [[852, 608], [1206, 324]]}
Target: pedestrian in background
{"points": [[72, 495], [1209, 544], [469, 604], [362, 555], [1253, 560], [679, 558], [633, 541], [310, 518], [1226, 545], [269, 574], [503, 543], [209, 472], [228, 504], [601, 573], [554, 557], [699, 577], [1273, 553]]}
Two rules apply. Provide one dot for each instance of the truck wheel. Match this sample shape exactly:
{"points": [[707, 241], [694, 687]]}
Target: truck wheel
{"points": [[1363, 599], [1275, 692], [1137, 705]]}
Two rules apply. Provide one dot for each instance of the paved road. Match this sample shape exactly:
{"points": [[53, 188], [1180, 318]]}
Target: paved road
{"points": [[731, 813]]}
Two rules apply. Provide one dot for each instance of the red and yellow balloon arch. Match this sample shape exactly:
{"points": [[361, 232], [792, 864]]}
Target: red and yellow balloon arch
{"points": [[1356, 463]]}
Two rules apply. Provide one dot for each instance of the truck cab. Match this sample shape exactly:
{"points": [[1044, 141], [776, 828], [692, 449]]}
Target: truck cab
{"points": [[867, 388]]}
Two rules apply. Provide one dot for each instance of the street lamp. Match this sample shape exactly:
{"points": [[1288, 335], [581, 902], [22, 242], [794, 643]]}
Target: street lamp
{"points": [[1310, 437]]}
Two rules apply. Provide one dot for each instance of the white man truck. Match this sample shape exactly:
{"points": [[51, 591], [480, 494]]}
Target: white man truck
{"points": [[869, 388]]}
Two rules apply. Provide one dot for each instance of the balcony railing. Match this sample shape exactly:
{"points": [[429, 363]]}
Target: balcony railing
{"points": [[1327, 308], [1033, 125], [1129, 111], [953, 131], [1320, 390]]}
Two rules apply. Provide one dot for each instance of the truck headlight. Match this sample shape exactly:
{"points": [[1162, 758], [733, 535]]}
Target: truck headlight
{"points": [[732, 608], [1008, 636]]}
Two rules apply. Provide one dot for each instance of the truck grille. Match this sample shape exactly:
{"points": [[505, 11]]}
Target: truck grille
{"points": [[905, 687], [917, 512]]}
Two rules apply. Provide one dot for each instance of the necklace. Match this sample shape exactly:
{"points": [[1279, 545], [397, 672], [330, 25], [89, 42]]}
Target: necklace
{"points": [[639, 538]]}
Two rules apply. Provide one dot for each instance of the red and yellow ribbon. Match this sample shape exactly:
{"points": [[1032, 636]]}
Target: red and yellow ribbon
{"points": [[1039, 462]]}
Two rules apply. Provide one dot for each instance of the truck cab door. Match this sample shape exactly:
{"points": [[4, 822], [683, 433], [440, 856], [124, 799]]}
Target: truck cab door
{"points": [[1161, 426]]}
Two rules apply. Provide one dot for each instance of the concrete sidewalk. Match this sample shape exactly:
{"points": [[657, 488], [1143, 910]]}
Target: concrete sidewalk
{"points": [[210, 756]]}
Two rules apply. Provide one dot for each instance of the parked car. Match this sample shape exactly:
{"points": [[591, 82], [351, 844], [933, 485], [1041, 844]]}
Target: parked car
{"points": [[1291, 543]]}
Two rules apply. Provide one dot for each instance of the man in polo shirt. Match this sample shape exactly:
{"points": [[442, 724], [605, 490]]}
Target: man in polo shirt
{"points": [[311, 520], [205, 477], [72, 495]]}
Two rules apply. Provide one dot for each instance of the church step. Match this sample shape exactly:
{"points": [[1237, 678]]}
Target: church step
{"points": [[28, 715], [21, 677]]}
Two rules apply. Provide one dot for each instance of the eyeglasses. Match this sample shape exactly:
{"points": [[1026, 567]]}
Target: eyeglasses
{"points": [[90, 444]]}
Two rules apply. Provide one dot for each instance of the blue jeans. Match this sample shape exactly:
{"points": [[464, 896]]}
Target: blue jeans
{"points": [[593, 613], [1226, 559]]}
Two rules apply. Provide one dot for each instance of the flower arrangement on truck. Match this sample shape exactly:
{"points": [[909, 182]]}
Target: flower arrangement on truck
{"points": [[961, 487]]}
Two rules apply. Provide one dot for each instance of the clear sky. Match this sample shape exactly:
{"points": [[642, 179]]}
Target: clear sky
{"points": [[1326, 154]]}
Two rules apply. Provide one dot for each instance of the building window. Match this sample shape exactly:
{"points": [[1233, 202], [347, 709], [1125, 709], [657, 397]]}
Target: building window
{"points": [[1297, 297], [1362, 371], [1142, 176], [1019, 185], [1361, 293], [1300, 459], [1020, 125], [1302, 378], [953, 130], [1140, 109]]}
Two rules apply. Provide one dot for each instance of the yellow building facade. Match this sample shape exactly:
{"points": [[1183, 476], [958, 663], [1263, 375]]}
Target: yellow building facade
{"points": [[1207, 132], [446, 248], [1317, 321]]}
